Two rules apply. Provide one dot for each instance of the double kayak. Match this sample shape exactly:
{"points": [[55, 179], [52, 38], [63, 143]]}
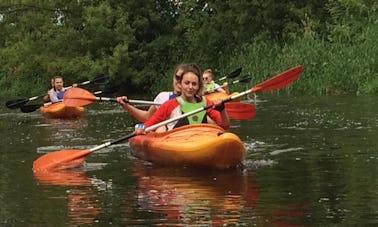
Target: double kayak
{"points": [[200, 145], [60, 110]]}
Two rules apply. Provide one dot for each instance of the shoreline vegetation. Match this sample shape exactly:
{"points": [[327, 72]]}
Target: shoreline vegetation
{"points": [[139, 47]]}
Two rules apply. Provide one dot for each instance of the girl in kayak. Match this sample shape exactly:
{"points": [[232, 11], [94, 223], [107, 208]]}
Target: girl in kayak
{"points": [[191, 85], [55, 94], [144, 115], [209, 84]]}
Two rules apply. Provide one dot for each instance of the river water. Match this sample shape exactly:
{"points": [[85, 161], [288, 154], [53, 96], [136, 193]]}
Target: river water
{"points": [[310, 161]]}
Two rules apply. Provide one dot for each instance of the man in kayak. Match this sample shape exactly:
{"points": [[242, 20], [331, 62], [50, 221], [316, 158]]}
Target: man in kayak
{"points": [[209, 84], [144, 115], [190, 99]]}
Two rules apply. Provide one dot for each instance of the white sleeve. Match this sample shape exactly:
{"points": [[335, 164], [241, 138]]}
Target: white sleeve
{"points": [[53, 96], [216, 86], [162, 97]]}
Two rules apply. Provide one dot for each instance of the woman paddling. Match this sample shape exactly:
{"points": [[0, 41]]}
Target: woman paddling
{"points": [[144, 115], [191, 86]]}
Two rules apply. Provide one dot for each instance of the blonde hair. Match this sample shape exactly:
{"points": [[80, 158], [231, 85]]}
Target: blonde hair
{"points": [[210, 72]]}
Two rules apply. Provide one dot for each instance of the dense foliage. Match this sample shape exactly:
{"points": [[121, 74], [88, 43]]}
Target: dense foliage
{"points": [[139, 42]]}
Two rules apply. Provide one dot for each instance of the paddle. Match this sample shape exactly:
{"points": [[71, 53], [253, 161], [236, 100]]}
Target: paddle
{"points": [[81, 97], [62, 157], [240, 110], [232, 74], [34, 107], [14, 104]]}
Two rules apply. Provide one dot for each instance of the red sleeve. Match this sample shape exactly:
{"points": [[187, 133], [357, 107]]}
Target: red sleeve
{"points": [[162, 113], [214, 114]]}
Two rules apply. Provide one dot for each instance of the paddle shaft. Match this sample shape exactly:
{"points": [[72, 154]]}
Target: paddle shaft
{"points": [[134, 101]]}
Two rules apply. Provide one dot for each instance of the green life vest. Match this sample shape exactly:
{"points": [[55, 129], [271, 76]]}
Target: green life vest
{"points": [[210, 86], [186, 107]]}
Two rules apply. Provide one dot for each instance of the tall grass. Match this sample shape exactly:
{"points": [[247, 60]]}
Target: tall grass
{"points": [[329, 68]]}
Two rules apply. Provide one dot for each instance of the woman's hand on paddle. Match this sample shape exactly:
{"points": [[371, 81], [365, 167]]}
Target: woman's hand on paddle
{"points": [[139, 129], [122, 100], [218, 104]]}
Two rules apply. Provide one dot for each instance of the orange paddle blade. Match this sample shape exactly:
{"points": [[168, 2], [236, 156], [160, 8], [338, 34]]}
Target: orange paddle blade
{"points": [[64, 159], [240, 110], [279, 80], [78, 97]]}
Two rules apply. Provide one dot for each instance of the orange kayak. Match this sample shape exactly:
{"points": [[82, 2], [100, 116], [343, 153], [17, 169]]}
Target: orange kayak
{"points": [[201, 145], [221, 95], [60, 110]]}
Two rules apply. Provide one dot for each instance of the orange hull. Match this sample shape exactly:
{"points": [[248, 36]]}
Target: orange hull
{"points": [[202, 145], [59, 110], [221, 95]]}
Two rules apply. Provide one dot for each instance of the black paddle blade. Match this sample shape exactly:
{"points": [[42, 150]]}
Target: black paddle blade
{"points": [[30, 108], [235, 73], [232, 74], [101, 79], [246, 79], [14, 104]]}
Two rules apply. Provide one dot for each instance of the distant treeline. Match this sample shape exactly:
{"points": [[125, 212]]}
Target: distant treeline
{"points": [[140, 42]]}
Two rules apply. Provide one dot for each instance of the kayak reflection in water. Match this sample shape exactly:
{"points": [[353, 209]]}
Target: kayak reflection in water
{"points": [[193, 197]]}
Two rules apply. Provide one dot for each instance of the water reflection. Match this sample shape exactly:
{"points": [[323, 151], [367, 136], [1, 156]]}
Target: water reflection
{"points": [[63, 177], [83, 206], [194, 197]]}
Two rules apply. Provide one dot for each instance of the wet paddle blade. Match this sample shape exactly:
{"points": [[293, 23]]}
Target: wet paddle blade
{"points": [[78, 97], [232, 74], [30, 108], [279, 80], [101, 79], [240, 110], [14, 104], [61, 159], [246, 79]]}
